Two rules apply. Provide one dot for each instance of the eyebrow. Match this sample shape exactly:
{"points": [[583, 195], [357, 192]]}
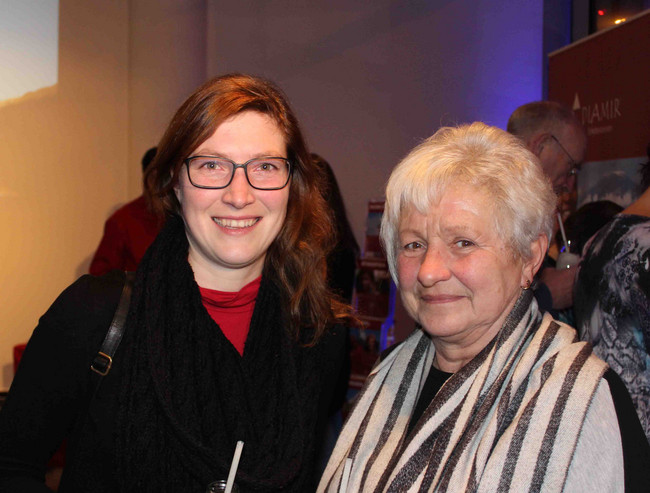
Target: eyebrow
{"points": [[212, 153], [456, 229], [461, 228]]}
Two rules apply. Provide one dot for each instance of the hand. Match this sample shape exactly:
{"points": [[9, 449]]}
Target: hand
{"points": [[560, 284]]}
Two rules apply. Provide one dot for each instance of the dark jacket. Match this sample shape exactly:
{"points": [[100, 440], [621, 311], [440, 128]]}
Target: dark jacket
{"points": [[50, 397]]}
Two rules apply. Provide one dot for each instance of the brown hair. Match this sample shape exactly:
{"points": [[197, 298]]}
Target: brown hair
{"points": [[296, 258]]}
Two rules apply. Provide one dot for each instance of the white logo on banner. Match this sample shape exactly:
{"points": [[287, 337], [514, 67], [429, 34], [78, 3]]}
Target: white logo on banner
{"points": [[576, 103], [593, 115]]}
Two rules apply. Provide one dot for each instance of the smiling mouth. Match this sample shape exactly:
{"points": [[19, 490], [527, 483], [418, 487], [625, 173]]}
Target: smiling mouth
{"points": [[235, 223], [440, 299]]}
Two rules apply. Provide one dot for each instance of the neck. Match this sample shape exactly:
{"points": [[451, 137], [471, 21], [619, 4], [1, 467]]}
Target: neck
{"points": [[449, 362], [451, 356], [210, 276]]}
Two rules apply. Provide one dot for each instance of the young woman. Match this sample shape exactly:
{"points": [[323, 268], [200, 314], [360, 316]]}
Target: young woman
{"points": [[231, 334]]}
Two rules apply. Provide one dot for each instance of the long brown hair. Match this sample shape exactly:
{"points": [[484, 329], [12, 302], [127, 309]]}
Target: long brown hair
{"points": [[296, 258]]}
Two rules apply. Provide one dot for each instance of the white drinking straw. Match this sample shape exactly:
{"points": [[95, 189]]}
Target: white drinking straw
{"points": [[233, 466], [346, 475], [566, 243]]}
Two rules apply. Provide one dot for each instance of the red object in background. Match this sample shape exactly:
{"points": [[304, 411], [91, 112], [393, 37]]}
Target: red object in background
{"points": [[18, 353], [127, 235], [58, 459]]}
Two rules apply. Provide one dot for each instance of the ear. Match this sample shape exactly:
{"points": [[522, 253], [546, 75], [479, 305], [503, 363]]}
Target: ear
{"points": [[178, 191], [537, 142], [538, 249]]}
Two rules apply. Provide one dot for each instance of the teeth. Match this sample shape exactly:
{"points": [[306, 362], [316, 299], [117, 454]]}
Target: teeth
{"points": [[235, 223]]}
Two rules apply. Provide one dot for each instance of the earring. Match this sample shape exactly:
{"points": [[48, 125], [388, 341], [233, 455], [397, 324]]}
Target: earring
{"points": [[526, 286]]}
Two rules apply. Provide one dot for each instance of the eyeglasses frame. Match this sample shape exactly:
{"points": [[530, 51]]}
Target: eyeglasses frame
{"points": [[235, 165], [575, 166]]}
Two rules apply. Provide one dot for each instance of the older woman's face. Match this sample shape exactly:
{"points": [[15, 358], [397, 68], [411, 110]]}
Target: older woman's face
{"points": [[457, 277]]}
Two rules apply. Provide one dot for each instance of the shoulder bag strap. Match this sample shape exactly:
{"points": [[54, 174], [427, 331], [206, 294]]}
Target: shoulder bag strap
{"points": [[103, 361]]}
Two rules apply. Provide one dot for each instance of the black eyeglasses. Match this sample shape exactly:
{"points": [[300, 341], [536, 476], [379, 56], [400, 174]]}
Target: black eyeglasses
{"points": [[264, 173], [575, 167]]}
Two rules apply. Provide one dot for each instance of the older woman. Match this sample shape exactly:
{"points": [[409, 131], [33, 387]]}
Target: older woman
{"points": [[487, 394], [231, 335]]}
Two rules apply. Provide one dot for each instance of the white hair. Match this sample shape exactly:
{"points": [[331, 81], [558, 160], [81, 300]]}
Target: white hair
{"points": [[484, 157]]}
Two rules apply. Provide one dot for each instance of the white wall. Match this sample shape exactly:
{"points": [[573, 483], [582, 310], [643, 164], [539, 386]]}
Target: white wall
{"points": [[370, 79], [71, 154], [62, 161], [167, 61]]}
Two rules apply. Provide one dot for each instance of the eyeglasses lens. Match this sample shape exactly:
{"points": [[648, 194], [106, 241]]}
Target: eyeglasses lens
{"points": [[263, 173]]}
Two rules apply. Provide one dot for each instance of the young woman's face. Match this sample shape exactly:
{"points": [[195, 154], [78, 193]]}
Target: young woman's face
{"points": [[230, 229]]}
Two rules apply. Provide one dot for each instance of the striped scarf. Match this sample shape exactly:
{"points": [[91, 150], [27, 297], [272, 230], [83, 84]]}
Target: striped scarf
{"points": [[509, 420]]}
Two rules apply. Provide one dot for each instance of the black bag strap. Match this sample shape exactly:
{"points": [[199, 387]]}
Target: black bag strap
{"points": [[103, 361], [104, 358]]}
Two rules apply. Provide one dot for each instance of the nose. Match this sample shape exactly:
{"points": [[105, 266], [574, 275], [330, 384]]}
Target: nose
{"points": [[239, 193], [434, 268]]}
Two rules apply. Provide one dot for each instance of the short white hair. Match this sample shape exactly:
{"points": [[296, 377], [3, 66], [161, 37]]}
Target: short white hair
{"points": [[484, 157]]}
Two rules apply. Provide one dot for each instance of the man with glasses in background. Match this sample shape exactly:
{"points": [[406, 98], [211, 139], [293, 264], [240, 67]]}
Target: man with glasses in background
{"points": [[552, 132]]}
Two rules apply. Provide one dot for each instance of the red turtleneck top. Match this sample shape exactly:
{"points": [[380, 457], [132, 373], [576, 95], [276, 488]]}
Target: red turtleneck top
{"points": [[232, 311]]}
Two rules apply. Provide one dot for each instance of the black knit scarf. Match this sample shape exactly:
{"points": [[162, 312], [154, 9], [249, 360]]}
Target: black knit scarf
{"points": [[188, 396]]}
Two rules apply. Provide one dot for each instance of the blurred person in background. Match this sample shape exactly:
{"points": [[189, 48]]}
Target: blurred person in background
{"points": [[579, 227], [128, 232], [582, 224], [552, 132], [612, 296], [342, 260], [341, 268]]}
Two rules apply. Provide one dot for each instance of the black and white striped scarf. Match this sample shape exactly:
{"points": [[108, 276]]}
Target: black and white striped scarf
{"points": [[509, 420]]}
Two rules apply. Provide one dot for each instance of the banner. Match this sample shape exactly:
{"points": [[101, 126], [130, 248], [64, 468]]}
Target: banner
{"points": [[604, 78]]}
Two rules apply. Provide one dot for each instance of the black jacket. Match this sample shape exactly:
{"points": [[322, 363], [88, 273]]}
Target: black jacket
{"points": [[50, 397]]}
